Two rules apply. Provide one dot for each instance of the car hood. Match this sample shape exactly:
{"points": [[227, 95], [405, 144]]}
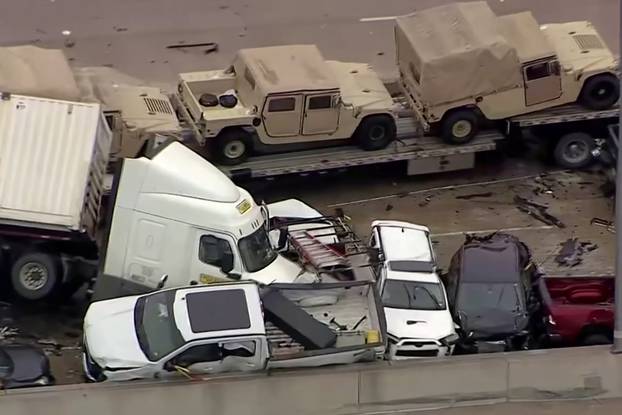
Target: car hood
{"points": [[361, 87], [489, 324], [281, 270], [418, 324], [110, 334]]}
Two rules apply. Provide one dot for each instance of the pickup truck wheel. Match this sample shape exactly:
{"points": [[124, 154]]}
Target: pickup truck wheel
{"points": [[459, 127], [232, 147], [375, 133], [595, 339], [600, 92], [35, 276], [574, 151]]}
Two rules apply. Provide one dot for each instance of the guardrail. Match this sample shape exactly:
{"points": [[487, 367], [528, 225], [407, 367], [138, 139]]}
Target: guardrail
{"points": [[383, 386]]}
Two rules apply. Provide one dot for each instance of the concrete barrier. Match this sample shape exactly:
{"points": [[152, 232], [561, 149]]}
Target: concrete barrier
{"points": [[383, 386]]}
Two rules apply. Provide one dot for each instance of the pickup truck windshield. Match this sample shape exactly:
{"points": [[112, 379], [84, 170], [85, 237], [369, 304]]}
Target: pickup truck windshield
{"points": [[413, 295], [155, 325], [256, 251]]}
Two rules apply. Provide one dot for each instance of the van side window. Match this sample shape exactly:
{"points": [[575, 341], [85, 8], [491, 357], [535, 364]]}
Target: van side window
{"points": [[282, 104], [537, 71], [212, 249], [320, 102]]}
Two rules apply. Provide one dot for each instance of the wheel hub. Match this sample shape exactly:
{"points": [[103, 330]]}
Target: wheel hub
{"points": [[234, 149], [376, 133], [576, 151], [462, 129], [33, 276]]}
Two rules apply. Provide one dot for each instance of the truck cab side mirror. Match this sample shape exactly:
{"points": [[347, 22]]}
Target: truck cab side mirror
{"points": [[226, 262], [335, 101], [162, 281]]}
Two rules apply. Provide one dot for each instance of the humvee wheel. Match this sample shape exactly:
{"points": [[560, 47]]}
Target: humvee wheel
{"points": [[600, 92], [232, 147], [574, 150], [459, 127], [375, 132]]}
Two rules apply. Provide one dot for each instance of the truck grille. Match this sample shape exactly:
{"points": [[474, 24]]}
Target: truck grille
{"points": [[156, 105], [417, 353], [587, 42]]}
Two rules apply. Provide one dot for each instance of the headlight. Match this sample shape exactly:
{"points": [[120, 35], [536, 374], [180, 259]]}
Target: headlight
{"points": [[43, 381], [552, 321], [450, 340]]}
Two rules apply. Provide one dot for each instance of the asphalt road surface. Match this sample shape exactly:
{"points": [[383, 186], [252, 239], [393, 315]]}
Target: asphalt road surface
{"points": [[132, 35]]}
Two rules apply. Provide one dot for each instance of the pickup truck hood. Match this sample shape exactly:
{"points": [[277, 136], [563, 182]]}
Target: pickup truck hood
{"points": [[110, 334], [282, 270], [361, 87], [424, 324]]}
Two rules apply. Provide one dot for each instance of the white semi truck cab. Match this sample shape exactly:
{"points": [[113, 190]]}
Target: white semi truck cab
{"points": [[177, 215]]}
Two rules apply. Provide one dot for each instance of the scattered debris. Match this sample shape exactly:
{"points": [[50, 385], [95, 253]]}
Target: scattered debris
{"points": [[7, 332], [380, 53], [388, 208], [194, 45], [572, 250], [537, 211], [607, 224], [120, 29], [50, 342], [426, 201], [474, 195], [69, 43]]}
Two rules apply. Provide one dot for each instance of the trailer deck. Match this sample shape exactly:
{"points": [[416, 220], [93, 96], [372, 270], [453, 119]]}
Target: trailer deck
{"points": [[563, 114]]}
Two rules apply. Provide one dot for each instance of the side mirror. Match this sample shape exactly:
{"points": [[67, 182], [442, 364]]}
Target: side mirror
{"points": [[335, 101], [162, 282], [226, 262], [555, 67]]}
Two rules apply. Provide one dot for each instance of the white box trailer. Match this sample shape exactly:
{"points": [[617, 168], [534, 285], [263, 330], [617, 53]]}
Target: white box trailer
{"points": [[52, 166]]}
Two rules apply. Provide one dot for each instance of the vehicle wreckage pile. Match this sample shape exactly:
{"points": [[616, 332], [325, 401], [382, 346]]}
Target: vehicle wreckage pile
{"points": [[190, 276]]}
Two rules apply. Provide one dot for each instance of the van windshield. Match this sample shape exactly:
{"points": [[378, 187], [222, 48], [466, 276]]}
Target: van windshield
{"points": [[256, 250]]}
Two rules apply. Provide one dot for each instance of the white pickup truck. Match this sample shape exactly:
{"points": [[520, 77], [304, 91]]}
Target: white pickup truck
{"points": [[216, 328]]}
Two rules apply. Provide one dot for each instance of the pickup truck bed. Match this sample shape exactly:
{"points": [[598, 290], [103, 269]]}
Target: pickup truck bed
{"points": [[355, 313]]}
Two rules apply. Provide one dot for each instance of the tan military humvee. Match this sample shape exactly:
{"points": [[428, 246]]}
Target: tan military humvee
{"points": [[461, 64], [287, 95]]}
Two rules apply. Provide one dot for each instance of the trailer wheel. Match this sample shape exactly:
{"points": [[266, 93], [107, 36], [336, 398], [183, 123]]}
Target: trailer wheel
{"points": [[600, 92], [35, 275], [574, 151], [460, 126], [232, 147], [595, 340], [375, 133]]}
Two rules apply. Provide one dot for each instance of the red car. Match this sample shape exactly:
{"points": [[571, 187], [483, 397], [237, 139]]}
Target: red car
{"points": [[578, 310]]}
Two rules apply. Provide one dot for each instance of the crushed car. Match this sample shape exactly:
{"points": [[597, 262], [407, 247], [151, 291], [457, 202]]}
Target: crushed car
{"points": [[22, 366], [490, 289]]}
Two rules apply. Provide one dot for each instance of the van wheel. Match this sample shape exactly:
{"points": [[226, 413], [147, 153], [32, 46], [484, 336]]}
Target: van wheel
{"points": [[35, 276], [459, 127], [574, 151], [232, 147], [595, 339], [375, 133], [600, 92]]}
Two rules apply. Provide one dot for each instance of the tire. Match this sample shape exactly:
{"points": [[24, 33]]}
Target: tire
{"points": [[460, 126], [600, 92], [232, 147], [36, 276], [574, 151], [595, 339], [375, 133]]}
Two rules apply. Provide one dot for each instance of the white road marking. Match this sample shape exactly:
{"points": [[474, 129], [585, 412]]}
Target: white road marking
{"points": [[515, 229], [378, 19], [449, 187]]}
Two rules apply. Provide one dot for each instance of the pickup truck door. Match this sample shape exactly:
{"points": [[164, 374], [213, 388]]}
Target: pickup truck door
{"points": [[282, 115], [321, 114], [217, 356], [209, 258], [542, 81]]}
